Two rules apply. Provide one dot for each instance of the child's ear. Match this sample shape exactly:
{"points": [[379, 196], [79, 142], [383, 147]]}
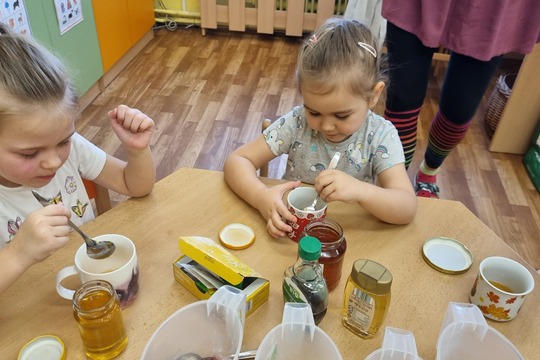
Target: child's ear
{"points": [[377, 91]]}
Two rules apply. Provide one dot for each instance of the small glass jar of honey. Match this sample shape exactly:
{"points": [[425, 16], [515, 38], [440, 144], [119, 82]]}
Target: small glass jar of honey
{"points": [[334, 245], [96, 309]]}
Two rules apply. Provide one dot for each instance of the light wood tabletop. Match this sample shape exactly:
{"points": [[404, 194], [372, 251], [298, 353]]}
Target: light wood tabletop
{"points": [[198, 202]]}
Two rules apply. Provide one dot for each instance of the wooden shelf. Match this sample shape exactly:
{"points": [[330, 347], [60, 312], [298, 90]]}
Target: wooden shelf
{"points": [[522, 111]]}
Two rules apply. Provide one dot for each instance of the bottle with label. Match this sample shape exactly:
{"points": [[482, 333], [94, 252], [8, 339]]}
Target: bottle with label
{"points": [[334, 245], [304, 282], [366, 298]]}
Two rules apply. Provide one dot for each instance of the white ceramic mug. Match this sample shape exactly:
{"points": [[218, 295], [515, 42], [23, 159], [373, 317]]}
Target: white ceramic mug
{"points": [[297, 200], [120, 269], [500, 288]]}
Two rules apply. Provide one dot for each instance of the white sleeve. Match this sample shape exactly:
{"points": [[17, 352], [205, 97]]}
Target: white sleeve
{"points": [[89, 158]]}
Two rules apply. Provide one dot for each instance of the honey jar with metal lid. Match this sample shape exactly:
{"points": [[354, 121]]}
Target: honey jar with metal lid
{"points": [[366, 298]]}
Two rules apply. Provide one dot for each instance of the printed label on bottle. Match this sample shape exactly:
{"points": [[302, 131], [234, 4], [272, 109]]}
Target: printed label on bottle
{"points": [[360, 310], [292, 292]]}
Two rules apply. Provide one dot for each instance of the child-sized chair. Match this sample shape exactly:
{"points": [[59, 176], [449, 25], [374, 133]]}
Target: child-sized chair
{"points": [[263, 171], [100, 195]]}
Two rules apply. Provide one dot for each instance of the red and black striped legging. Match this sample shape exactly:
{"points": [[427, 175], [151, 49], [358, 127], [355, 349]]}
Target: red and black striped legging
{"points": [[465, 83]]}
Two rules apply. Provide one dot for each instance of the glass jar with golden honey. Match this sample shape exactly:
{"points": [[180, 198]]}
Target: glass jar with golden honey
{"points": [[334, 245], [96, 309]]}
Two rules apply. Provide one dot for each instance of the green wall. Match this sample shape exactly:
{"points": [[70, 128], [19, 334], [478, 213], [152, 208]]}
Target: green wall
{"points": [[78, 47]]}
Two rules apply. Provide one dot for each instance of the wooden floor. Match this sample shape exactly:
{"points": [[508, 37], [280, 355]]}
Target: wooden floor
{"points": [[209, 94]]}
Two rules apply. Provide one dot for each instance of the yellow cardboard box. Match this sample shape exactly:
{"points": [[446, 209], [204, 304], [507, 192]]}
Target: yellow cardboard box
{"points": [[206, 265]]}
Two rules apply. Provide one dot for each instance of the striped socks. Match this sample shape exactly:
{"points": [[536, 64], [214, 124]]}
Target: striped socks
{"points": [[444, 135], [406, 125]]}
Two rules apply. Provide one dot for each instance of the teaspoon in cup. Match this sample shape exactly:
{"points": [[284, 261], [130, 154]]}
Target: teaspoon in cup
{"points": [[94, 249], [331, 166]]}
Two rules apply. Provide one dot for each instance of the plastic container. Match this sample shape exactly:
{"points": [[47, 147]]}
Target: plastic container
{"points": [[366, 298], [297, 337], [465, 334], [397, 344], [213, 327], [531, 159], [334, 245]]}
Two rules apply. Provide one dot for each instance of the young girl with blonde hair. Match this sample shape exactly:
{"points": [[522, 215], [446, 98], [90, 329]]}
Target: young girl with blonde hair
{"points": [[340, 76], [40, 150]]}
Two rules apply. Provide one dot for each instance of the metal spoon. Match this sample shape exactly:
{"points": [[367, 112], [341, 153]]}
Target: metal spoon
{"points": [[331, 166], [94, 249]]}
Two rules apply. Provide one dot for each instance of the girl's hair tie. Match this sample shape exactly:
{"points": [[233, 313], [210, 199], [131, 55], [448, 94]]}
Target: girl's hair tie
{"points": [[368, 48], [313, 39]]}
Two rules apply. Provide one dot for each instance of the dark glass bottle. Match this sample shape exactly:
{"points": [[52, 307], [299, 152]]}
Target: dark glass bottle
{"points": [[304, 281]]}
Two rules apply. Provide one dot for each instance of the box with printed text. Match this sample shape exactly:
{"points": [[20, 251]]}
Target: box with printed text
{"points": [[205, 266]]}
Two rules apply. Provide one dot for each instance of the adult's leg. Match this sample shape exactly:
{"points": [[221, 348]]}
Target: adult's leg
{"points": [[465, 83], [409, 64], [464, 86]]}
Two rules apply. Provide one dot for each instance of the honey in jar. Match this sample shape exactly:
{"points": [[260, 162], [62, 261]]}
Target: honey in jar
{"points": [[96, 309], [334, 245]]}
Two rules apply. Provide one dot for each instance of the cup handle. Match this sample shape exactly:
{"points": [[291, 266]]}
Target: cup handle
{"points": [[63, 274]]}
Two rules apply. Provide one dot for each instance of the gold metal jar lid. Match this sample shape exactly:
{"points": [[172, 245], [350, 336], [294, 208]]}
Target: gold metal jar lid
{"points": [[371, 276], [46, 347], [447, 255]]}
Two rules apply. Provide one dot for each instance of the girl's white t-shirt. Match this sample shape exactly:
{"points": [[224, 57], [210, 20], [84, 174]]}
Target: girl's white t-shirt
{"points": [[85, 161]]}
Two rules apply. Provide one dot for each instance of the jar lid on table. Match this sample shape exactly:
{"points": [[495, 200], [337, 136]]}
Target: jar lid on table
{"points": [[45, 347], [237, 236], [447, 255]]}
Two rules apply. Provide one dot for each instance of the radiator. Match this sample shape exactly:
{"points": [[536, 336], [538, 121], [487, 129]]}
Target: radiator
{"points": [[294, 17]]}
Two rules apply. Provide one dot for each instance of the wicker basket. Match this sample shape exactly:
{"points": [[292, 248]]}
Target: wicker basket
{"points": [[497, 101]]}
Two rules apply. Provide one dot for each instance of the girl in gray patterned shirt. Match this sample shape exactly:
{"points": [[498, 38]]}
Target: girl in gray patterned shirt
{"points": [[340, 78]]}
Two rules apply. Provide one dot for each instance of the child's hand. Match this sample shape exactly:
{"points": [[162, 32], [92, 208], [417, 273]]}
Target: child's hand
{"points": [[274, 211], [335, 185], [42, 233], [133, 127]]}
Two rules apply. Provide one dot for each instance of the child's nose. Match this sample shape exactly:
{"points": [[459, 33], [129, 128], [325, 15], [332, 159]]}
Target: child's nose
{"points": [[51, 160], [327, 124]]}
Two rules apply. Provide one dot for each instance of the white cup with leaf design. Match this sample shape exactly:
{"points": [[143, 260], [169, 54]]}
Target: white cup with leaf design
{"points": [[501, 287]]}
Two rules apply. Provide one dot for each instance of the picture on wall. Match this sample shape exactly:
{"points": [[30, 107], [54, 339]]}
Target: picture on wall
{"points": [[68, 13], [13, 14]]}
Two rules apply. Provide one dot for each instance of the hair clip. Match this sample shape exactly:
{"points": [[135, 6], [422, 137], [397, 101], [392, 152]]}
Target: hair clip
{"points": [[368, 48], [313, 39]]}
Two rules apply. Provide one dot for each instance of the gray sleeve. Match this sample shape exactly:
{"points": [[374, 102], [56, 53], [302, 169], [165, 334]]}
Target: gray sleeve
{"points": [[389, 151], [281, 134]]}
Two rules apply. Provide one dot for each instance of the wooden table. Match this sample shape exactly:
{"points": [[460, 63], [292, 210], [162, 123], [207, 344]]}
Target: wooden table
{"points": [[198, 202]]}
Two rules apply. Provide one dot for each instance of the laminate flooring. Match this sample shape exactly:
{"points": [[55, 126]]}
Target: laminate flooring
{"points": [[209, 94]]}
